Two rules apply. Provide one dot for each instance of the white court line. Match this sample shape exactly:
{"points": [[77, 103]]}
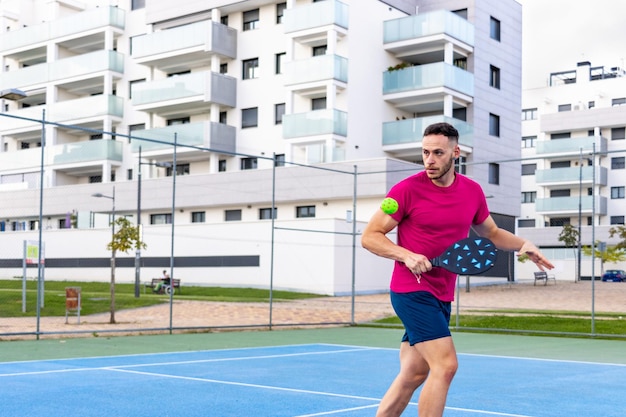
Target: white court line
{"points": [[142, 365]]}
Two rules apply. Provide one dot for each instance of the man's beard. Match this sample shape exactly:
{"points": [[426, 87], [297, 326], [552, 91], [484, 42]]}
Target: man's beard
{"points": [[445, 170]]}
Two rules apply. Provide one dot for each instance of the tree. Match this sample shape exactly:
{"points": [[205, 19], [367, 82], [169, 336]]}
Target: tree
{"points": [[570, 236], [621, 232], [126, 237], [610, 254]]}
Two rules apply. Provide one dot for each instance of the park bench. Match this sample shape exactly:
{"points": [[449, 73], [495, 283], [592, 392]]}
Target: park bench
{"points": [[543, 276], [156, 281]]}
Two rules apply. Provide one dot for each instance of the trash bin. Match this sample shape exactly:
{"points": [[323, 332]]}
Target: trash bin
{"points": [[72, 302]]}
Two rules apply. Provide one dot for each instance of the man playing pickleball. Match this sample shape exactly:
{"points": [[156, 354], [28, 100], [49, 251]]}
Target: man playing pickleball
{"points": [[436, 207]]}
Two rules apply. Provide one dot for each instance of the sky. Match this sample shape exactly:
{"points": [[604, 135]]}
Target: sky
{"points": [[557, 34]]}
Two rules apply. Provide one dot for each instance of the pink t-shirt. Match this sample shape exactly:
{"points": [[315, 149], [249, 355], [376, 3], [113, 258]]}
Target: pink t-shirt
{"points": [[431, 218]]}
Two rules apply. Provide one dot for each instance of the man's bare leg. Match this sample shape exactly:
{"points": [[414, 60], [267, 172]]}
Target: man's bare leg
{"points": [[413, 372], [440, 355]]}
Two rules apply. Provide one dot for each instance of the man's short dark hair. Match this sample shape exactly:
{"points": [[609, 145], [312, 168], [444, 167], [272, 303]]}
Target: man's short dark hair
{"points": [[445, 129]]}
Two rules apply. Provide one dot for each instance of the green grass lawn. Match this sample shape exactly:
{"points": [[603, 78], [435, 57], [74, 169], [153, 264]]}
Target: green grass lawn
{"points": [[95, 297]]}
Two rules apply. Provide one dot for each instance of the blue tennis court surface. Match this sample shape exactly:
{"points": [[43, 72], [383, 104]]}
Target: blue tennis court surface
{"points": [[299, 380]]}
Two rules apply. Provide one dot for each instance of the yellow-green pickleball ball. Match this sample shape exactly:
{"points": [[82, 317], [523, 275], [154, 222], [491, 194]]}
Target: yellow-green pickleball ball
{"points": [[389, 205]]}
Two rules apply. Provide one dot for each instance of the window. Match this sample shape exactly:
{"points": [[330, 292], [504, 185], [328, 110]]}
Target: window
{"points": [[132, 84], [250, 69], [232, 215], [618, 133], [249, 163], [494, 28], [494, 174], [560, 193], [494, 125], [494, 77], [618, 162], [266, 213], [279, 111], [249, 117], [279, 160], [198, 217], [318, 103], [560, 164], [617, 219], [221, 165], [591, 104], [559, 221], [223, 117], [320, 50], [526, 223], [251, 19], [129, 174], [617, 192], [565, 107], [529, 141], [95, 179], [529, 169], [181, 169], [460, 165], [529, 196], [165, 218], [618, 101], [137, 4], [224, 68], [280, 12], [529, 114], [178, 121], [279, 59], [224, 20], [565, 135], [305, 211]]}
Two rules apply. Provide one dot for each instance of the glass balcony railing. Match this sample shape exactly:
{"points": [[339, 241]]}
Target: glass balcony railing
{"points": [[212, 87], [571, 175], [88, 151], [313, 123], [315, 69], [428, 76], [63, 112], [411, 131], [209, 135], [211, 36], [66, 26], [313, 15], [570, 204], [81, 65], [428, 24], [571, 145]]}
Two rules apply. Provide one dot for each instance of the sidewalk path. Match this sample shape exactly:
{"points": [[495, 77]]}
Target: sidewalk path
{"points": [[564, 296]]}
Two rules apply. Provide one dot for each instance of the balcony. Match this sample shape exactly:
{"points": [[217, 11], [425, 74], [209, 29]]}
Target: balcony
{"points": [[558, 177], [564, 206], [570, 146], [82, 67], [65, 157], [423, 87], [192, 138], [315, 123], [73, 25], [425, 34], [583, 119], [404, 137], [309, 23], [84, 112], [311, 76], [185, 47], [87, 151], [183, 95]]}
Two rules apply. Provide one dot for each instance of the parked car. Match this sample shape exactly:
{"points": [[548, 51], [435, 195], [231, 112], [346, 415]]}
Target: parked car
{"points": [[614, 275]]}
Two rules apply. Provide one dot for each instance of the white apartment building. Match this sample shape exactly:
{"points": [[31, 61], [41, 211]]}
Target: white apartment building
{"points": [[563, 181], [252, 93]]}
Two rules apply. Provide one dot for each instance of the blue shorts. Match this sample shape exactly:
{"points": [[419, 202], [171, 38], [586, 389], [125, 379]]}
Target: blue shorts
{"points": [[423, 316]]}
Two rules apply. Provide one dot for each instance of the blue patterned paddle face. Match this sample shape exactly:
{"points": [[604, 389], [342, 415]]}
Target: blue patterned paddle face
{"points": [[470, 256]]}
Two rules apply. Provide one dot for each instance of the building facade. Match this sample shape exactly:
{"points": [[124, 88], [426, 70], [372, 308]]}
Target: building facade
{"points": [[239, 100], [574, 148]]}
